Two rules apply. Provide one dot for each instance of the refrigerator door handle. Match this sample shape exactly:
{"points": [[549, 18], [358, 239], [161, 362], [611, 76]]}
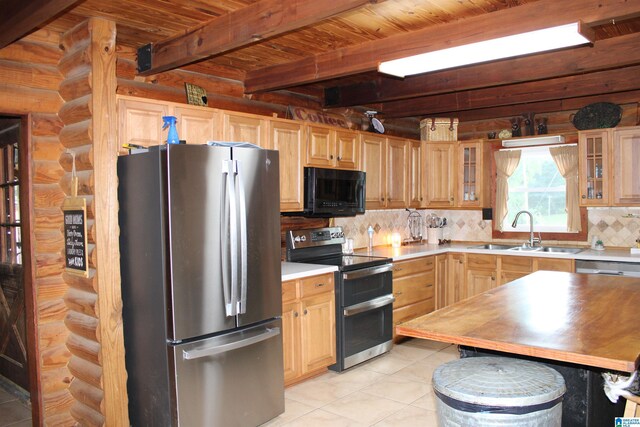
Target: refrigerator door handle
{"points": [[223, 348], [228, 238], [242, 207]]}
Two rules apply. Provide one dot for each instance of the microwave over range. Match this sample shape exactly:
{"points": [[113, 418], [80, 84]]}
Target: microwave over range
{"points": [[333, 192]]}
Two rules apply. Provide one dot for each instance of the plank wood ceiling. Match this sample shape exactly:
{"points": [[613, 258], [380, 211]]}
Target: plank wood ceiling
{"points": [[332, 49]]}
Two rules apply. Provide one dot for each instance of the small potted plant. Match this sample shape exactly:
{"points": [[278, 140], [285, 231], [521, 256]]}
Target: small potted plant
{"points": [[599, 245]]}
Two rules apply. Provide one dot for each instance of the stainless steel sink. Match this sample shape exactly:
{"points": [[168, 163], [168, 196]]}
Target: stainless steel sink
{"points": [[491, 246], [526, 248], [561, 250]]}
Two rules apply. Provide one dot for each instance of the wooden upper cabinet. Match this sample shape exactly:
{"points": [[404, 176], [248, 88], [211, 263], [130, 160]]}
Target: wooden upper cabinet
{"points": [[287, 137], [373, 157], [417, 182], [196, 125], [593, 164], [240, 127], [397, 173], [328, 147], [140, 122], [441, 174], [625, 166], [473, 182], [347, 149]]}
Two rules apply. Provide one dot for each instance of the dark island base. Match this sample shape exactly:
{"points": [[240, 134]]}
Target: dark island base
{"points": [[584, 404]]}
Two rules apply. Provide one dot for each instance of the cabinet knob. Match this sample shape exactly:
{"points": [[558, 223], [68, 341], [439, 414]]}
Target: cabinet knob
{"points": [[420, 198], [451, 199], [295, 314], [331, 156], [584, 197], [305, 311], [319, 285], [382, 199], [493, 278], [397, 269], [339, 158]]}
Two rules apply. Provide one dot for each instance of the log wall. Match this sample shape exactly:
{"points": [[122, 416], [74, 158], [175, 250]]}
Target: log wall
{"points": [[29, 84]]}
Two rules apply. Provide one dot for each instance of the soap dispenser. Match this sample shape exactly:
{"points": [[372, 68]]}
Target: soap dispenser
{"points": [[370, 232]]}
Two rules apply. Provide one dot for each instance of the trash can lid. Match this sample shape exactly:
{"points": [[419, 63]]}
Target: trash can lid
{"points": [[498, 382]]}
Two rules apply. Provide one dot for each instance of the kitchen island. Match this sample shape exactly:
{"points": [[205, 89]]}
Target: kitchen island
{"points": [[579, 324]]}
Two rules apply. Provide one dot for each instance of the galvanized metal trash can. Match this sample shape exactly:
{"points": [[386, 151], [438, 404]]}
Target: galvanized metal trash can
{"points": [[498, 391]]}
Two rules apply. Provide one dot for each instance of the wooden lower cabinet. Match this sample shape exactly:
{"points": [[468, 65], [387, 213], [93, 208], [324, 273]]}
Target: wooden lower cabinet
{"points": [[554, 264], [456, 273], [308, 327], [481, 274], [514, 267], [414, 289]]}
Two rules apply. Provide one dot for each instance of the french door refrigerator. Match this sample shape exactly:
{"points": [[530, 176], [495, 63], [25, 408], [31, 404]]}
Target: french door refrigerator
{"points": [[201, 290]]}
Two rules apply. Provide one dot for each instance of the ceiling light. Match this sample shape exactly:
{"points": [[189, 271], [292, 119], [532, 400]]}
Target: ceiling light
{"points": [[503, 47], [538, 140]]}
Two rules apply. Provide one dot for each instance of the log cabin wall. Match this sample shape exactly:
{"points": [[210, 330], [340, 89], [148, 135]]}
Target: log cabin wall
{"points": [[94, 318], [29, 85]]}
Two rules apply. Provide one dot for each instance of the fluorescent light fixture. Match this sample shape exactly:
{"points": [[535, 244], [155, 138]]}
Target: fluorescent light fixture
{"points": [[489, 50], [538, 140]]}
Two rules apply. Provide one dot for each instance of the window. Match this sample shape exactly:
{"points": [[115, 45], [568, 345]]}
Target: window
{"points": [[10, 238], [538, 187]]}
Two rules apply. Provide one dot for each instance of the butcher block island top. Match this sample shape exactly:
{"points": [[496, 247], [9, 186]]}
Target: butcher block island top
{"points": [[585, 319]]}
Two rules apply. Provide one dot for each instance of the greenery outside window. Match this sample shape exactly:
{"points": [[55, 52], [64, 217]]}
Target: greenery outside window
{"points": [[538, 187]]}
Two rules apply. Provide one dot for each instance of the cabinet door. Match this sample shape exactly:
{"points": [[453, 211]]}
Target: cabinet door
{"points": [[554, 264], [320, 147], [481, 273], [625, 167], [240, 127], [441, 281], [441, 172], [374, 164], [397, 173], [140, 122], [470, 188], [196, 125], [286, 137], [347, 150], [318, 331], [510, 276], [291, 341], [456, 286], [416, 175], [593, 163]]}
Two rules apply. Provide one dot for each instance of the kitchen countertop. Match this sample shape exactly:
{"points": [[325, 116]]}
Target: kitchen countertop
{"points": [[423, 249], [578, 318], [297, 270]]}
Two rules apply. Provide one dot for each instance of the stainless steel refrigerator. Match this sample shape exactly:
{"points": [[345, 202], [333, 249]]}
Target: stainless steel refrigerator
{"points": [[201, 285]]}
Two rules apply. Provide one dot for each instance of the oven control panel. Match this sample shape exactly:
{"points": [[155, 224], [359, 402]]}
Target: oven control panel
{"points": [[314, 237]]}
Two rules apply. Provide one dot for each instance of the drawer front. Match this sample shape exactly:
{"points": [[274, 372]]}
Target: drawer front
{"points": [[487, 262], [413, 266], [289, 290], [523, 264], [412, 311], [409, 290], [555, 264], [316, 285]]}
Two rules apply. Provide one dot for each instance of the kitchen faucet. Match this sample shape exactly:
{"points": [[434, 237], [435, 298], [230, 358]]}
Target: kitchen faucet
{"points": [[532, 240]]}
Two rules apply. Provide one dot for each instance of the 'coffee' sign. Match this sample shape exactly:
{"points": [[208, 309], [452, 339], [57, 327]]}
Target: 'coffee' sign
{"points": [[320, 117]]}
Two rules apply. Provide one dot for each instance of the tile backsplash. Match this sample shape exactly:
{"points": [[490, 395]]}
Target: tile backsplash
{"points": [[619, 227]]}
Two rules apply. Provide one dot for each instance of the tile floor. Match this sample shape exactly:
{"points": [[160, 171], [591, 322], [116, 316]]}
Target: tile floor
{"points": [[391, 390], [14, 411]]}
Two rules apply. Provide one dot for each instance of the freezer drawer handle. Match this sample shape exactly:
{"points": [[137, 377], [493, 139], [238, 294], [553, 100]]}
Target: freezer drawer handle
{"points": [[211, 351], [367, 272], [369, 305]]}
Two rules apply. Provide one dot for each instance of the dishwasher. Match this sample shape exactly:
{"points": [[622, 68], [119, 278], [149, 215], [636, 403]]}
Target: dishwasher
{"points": [[609, 268]]}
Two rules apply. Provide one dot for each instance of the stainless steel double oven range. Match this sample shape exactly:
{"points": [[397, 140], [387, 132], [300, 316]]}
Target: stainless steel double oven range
{"points": [[364, 293]]}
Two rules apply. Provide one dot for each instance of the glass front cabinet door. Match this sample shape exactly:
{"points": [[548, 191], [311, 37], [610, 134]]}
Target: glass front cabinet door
{"points": [[594, 171]]}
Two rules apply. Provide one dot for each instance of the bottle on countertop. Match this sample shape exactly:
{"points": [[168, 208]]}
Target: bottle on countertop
{"points": [[370, 232]]}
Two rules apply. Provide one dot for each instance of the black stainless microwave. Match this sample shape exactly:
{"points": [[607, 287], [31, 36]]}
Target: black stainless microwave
{"points": [[333, 192]]}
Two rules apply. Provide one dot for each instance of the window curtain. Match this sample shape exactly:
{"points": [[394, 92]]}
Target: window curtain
{"points": [[506, 164], [566, 159]]}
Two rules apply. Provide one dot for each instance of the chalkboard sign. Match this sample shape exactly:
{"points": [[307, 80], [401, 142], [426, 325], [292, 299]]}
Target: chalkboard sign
{"points": [[75, 236]]}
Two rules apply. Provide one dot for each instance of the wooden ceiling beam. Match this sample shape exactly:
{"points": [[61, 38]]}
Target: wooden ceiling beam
{"points": [[366, 56], [242, 27], [610, 53], [19, 17], [569, 104], [602, 82]]}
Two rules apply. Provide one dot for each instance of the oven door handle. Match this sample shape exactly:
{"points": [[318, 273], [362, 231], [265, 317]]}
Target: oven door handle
{"points": [[367, 272], [369, 305]]}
